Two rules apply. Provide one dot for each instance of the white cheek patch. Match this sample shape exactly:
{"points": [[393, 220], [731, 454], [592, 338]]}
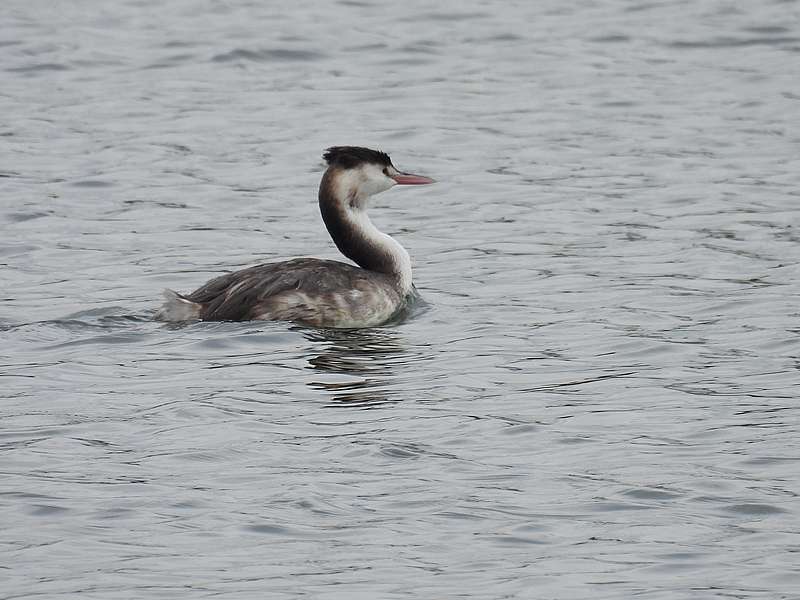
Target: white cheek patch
{"points": [[362, 182], [348, 184]]}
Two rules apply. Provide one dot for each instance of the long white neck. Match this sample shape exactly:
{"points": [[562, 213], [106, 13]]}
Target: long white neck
{"points": [[383, 244], [357, 237]]}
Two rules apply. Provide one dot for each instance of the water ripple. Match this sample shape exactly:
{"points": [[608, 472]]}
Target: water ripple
{"points": [[595, 395], [268, 55]]}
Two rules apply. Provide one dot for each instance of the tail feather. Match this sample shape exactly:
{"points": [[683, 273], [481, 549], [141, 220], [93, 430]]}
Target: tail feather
{"points": [[177, 308]]}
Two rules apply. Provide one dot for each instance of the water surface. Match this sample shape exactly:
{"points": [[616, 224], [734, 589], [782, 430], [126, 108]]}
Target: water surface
{"points": [[598, 399]]}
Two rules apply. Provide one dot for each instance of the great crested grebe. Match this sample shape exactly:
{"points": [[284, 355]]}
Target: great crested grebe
{"points": [[313, 291]]}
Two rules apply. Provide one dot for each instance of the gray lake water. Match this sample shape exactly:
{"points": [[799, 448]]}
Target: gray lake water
{"points": [[598, 398]]}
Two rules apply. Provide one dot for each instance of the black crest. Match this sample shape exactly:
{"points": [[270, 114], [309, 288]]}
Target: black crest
{"points": [[349, 157]]}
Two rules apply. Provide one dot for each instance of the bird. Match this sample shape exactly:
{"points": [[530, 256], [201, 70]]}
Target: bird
{"points": [[318, 292]]}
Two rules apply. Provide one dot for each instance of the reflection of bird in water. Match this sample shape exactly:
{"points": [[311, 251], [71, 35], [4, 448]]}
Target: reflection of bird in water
{"points": [[366, 356]]}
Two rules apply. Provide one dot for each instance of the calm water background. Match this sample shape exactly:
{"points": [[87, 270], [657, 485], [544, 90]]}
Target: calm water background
{"points": [[599, 399]]}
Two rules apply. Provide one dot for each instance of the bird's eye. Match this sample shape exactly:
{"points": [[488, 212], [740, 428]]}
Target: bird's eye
{"points": [[386, 171]]}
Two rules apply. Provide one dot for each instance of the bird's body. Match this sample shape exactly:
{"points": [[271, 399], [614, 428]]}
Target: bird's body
{"points": [[321, 293], [312, 291]]}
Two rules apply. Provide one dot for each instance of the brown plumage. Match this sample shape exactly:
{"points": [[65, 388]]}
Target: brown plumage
{"points": [[308, 290]]}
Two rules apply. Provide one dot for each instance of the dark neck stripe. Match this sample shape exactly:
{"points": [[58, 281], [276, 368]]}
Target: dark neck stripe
{"points": [[348, 239]]}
